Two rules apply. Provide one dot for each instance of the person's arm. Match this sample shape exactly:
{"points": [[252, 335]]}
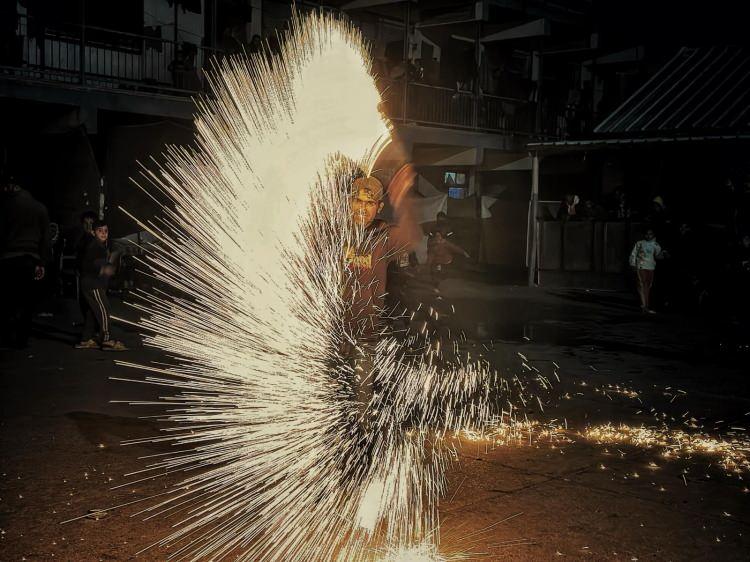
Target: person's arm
{"points": [[633, 255], [456, 249], [405, 234], [44, 242]]}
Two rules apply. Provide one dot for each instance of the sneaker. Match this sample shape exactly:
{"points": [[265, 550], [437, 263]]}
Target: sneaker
{"points": [[88, 344], [113, 345]]}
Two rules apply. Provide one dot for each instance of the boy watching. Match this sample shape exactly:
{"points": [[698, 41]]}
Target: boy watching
{"points": [[95, 274], [440, 252]]}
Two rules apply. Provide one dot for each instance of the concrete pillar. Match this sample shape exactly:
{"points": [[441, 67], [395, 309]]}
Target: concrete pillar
{"points": [[256, 23], [473, 174], [533, 227]]}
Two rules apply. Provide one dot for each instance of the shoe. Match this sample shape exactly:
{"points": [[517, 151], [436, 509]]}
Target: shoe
{"points": [[649, 311], [88, 344], [113, 345]]}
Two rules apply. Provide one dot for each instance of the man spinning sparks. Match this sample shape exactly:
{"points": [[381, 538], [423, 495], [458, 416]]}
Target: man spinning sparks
{"points": [[293, 397], [377, 244]]}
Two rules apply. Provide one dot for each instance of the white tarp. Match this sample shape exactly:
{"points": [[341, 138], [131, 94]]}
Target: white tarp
{"points": [[487, 202], [427, 208], [425, 188]]}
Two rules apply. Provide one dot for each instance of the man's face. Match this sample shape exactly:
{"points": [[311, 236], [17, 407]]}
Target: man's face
{"points": [[365, 209], [102, 233], [650, 235]]}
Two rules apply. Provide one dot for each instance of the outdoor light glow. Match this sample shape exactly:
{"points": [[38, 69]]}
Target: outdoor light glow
{"points": [[251, 249]]}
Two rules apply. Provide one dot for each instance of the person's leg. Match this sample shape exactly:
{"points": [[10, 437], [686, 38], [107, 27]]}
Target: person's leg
{"points": [[7, 301], [99, 312], [108, 343], [437, 276], [640, 276], [363, 364], [100, 296], [358, 391], [648, 281], [25, 267], [82, 305], [89, 320]]}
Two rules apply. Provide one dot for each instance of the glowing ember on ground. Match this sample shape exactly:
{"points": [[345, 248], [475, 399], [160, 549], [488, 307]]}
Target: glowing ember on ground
{"points": [[422, 553], [733, 452], [518, 433]]}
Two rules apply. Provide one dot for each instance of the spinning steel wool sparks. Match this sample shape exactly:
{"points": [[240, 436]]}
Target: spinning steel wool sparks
{"points": [[281, 464]]}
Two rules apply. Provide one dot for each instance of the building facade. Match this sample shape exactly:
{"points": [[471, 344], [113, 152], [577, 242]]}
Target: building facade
{"points": [[87, 91]]}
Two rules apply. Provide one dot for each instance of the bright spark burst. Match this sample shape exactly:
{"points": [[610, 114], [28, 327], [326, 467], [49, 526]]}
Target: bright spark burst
{"points": [[250, 253]]}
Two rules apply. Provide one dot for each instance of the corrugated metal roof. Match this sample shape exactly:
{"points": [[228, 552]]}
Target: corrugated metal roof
{"points": [[702, 90]]}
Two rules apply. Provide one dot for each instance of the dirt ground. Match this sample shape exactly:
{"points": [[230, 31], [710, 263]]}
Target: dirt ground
{"points": [[546, 497]]}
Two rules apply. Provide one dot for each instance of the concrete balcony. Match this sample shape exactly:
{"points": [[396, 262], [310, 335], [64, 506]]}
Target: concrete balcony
{"points": [[98, 68]]}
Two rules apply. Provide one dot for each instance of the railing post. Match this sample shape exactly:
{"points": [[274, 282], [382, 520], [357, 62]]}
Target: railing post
{"points": [[477, 73], [538, 115], [407, 62], [175, 72], [82, 48], [534, 230]]}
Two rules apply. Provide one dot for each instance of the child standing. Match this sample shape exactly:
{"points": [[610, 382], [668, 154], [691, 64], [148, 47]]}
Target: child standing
{"points": [[95, 273], [643, 259], [440, 252]]}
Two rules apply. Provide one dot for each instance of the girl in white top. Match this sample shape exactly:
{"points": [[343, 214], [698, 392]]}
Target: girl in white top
{"points": [[643, 259]]}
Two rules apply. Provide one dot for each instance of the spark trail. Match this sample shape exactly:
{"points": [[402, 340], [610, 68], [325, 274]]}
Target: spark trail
{"points": [[250, 250]]}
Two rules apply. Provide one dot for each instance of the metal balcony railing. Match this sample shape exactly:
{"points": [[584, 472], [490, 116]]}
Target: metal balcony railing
{"points": [[439, 106], [104, 58]]}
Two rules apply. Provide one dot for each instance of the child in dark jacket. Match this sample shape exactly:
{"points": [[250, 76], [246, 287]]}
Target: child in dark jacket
{"points": [[95, 273]]}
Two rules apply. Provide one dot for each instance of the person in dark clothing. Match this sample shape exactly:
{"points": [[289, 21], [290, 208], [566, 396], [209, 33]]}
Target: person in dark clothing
{"points": [[365, 289], [24, 249], [569, 208], [96, 271], [592, 211], [85, 234], [82, 240], [382, 243], [375, 244], [741, 277], [443, 224]]}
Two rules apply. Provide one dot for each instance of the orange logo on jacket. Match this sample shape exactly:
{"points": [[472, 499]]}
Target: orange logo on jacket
{"points": [[360, 261]]}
